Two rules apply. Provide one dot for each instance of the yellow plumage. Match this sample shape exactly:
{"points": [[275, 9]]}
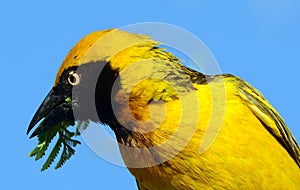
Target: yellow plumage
{"points": [[193, 131]]}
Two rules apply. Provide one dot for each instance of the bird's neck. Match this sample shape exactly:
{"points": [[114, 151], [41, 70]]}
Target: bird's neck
{"points": [[129, 85]]}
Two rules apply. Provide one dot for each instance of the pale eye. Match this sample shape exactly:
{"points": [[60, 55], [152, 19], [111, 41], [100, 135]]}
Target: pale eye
{"points": [[73, 78]]}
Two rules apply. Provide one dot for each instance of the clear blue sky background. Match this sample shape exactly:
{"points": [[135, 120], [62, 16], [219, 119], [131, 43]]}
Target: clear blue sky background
{"points": [[257, 40]]}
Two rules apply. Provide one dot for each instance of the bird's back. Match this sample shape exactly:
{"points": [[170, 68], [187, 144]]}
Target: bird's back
{"points": [[249, 148]]}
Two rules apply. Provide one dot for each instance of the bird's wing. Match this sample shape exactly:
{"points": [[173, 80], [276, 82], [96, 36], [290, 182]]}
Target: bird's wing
{"points": [[140, 186], [269, 117]]}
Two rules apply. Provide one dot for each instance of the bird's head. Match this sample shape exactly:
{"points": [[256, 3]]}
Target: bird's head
{"points": [[117, 78], [91, 69], [99, 56]]}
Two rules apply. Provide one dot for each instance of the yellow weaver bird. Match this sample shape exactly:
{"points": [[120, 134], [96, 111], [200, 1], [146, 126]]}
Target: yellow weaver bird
{"points": [[176, 128]]}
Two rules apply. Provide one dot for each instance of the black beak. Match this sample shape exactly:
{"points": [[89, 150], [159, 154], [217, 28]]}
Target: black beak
{"points": [[55, 109]]}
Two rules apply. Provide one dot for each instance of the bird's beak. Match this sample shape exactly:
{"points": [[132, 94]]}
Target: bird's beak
{"points": [[55, 109]]}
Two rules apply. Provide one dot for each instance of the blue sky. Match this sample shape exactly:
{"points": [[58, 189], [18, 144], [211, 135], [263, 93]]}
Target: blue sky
{"points": [[257, 40]]}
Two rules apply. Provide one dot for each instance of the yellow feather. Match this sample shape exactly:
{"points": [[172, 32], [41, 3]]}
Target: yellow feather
{"points": [[219, 133]]}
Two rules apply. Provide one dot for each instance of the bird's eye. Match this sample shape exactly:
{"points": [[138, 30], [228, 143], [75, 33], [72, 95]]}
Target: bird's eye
{"points": [[73, 78]]}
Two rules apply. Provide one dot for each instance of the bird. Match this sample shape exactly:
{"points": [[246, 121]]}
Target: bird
{"points": [[176, 128]]}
